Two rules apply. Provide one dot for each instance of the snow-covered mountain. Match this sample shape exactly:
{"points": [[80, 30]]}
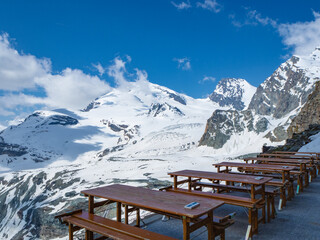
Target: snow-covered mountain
{"points": [[275, 103], [233, 93], [287, 89], [134, 134], [142, 119]]}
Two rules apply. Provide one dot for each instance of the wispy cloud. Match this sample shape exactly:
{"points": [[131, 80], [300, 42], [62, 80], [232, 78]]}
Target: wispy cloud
{"points": [[256, 18], [124, 79], [99, 68], [182, 5], [207, 79], [183, 63], [117, 71], [211, 5], [253, 18], [303, 37]]}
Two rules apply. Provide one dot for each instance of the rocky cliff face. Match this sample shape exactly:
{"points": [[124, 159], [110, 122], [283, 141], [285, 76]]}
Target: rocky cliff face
{"points": [[235, 93], [279, 98], [309, 114], [288, 87], [223, 124]]}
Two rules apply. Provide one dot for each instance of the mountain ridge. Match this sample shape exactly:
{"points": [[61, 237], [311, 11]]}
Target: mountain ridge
{"points": [[234, 93]]}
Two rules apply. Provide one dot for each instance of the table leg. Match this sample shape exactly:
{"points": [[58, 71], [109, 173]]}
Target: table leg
{"points": [[211, 234], [70, 231], [264, 207], [250, 218], [126, 214], [138, 217], [268, 208], [186, 230], [89, 234], [256, 220], [175, 179], [306, 176], [91, 205], [118, 212]]}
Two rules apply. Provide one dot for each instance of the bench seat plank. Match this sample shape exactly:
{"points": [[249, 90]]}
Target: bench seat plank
{"points": [[110, 228]]}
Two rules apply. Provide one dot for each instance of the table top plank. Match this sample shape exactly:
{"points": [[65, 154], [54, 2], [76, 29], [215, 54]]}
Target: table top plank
{"points": [[167, 202], [281, 160], [286, 156], [222, 176], [297, 153], [255, 166]]}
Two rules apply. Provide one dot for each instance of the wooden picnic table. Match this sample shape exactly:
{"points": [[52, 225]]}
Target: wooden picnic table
{"points": [[283, 170], [159, 202], [314, 157], [252, 180], [284, 161], [301, 163]]}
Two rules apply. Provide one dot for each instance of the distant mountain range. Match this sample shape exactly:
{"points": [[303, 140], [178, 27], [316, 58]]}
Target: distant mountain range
{"points": [[135, 135]]}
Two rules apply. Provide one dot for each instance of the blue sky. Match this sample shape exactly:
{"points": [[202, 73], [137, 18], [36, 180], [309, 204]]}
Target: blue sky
{"points": [[187, 46]]}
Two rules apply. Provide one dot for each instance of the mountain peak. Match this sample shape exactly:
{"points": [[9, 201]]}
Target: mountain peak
{"points": [[233, 92], [288, 87]]}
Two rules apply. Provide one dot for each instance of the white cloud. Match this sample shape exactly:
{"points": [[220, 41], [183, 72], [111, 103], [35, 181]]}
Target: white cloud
{"points": [[303, 37], [183, 63], [256, 18], [71, 89], [207, 79], [117, 71], [211, 5], [9, 103], [142, 76], [18, 71], [253, 18], [129, 59], [142, 81], [99, 68], [123, 79], [182, 5]]}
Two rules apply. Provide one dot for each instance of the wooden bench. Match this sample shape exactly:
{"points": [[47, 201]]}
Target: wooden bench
{"points": [[109, 228], [270, 194], [220, 224], [252, 204], [276, 182]]}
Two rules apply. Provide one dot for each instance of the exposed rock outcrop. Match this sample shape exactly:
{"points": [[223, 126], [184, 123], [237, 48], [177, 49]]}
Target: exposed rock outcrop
{"points": [[223, 124], [279, 98], [298, 140], [164, 109], [233, 92], [285, 90], [309, 114]]}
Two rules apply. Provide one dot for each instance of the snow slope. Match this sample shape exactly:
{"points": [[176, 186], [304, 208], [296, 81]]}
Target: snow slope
{"points": [[141, 119]]}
